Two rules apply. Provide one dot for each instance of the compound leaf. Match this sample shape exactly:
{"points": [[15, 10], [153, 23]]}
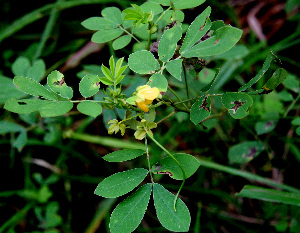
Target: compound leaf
{"points": [[53, 109], [168, 43], [129, 213], [174, 67], [121, 42], [200, 109], [159, 81], [245, 151], [57, 84], [196, 30], [89, 85], [120, 183], [237, 104], [177, 221], [103, 36], [223, 40], [123, 155], [89, 108], [143, 62], [32, 87], [168, 166]]}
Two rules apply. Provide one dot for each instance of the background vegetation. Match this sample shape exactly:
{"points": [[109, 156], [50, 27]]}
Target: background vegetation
{"points": [[48, 173]]}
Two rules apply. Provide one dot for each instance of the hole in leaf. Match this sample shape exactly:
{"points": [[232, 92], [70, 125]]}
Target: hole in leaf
{"points": [[269, 124], [22, 103], [251, 153], [217, 40], [236, 106], [204, 104]]}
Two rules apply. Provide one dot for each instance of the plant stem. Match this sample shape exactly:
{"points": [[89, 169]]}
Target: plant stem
{"points": [[183, 172], [186, 86], [48, 29], [291, 106], [171, 114], [148, 159], [162, 15], [174, 93]]}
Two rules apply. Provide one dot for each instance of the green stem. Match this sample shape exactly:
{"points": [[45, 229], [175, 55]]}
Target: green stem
{"points": [[174, 93], [159, 18], [148, 159], [183, 172], [127, 32], [186, 85], [135, 116], [246, 175], [46, 10], [171, 114], [291, 106], [48, 29]]}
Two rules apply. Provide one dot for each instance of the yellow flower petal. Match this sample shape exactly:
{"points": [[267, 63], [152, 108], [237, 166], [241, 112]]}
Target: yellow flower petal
{"points": [[150, 94], [143, 106]]}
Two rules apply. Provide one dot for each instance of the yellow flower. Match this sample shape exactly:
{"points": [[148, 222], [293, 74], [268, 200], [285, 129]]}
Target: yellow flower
{"points": [[145, 96]]}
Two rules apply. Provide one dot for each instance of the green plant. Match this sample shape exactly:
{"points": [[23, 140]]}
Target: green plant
{"points": [[149, 21]]}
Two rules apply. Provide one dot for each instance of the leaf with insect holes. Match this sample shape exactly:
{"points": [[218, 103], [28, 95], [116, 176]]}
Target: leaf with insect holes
{"points": [[129, 213], [200, 109], [32, 87], [123, 155], [24, 106], [177, 221], [121, 183], [57, 84], [223, 40], [196, 30], [237, 104], [245, 151], [89, 108], [143, 62], [168, 166], [89, 85], [168, 43]]}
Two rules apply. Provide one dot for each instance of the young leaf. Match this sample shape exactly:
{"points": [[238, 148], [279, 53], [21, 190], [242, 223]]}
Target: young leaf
{"points": [[106, 81], [120, 183], [266, 194], [159, 81], [107, 73], [143, 62], [112, 66], [168, 43], [196, 30], [245, 151], [32, 87], [168, 166], [56, 82], [129, 213], [237, 104], [121, 42], [89, 108], [99, 23], [24, 106], [119, 67], [123, 155], [177, 221], [106, 35], [223, 40], [174, 67], [260, 74], [53, 109], [200, 109], [278, 77], [113, 14], [89, 85]]}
